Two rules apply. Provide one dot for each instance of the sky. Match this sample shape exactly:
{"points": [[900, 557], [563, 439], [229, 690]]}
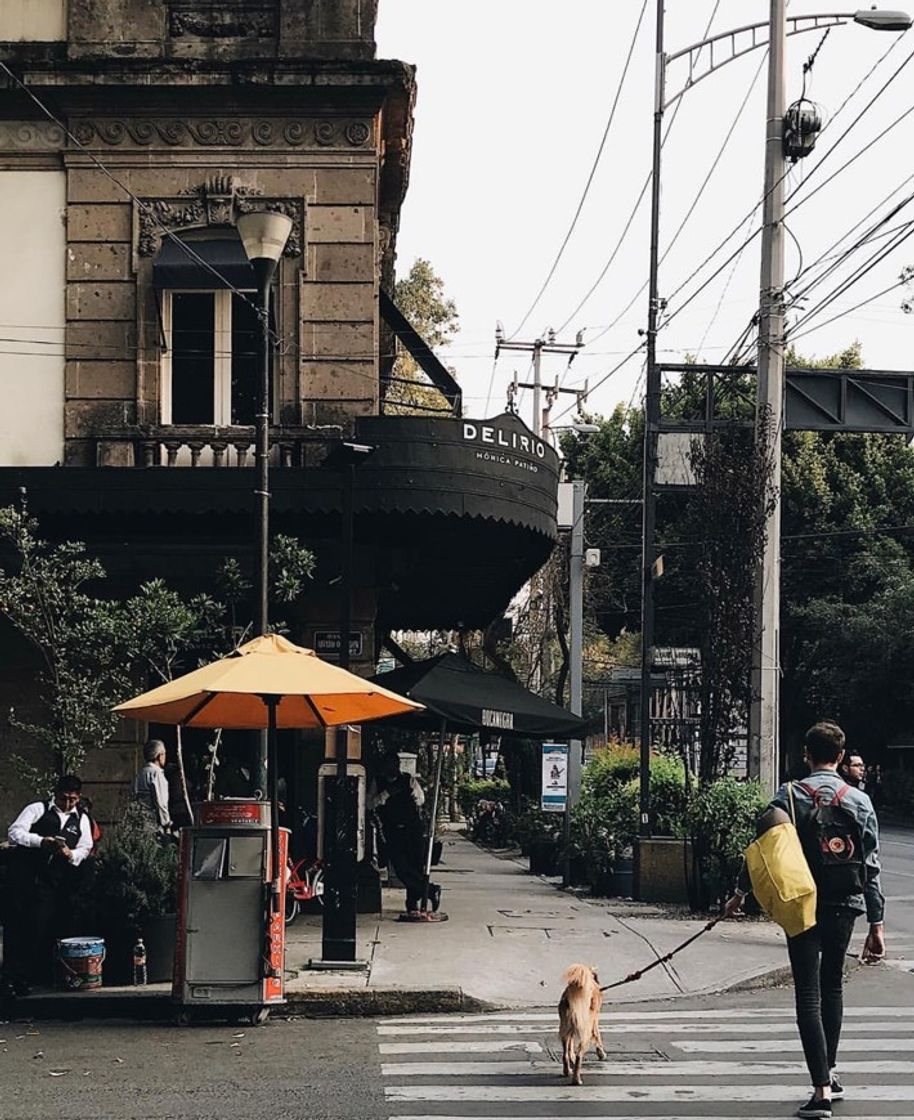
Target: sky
{"points": [[513, 99]]}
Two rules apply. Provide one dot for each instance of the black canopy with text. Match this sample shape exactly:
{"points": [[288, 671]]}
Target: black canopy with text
{"points": [[452, 688]]}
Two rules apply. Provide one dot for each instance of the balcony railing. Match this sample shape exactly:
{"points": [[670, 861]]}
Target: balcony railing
{"points": [[194, 445]]}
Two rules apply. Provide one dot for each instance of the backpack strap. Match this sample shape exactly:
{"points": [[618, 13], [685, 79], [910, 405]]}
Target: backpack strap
{"points": [[840, 795], [793, 811], [812, 793]]}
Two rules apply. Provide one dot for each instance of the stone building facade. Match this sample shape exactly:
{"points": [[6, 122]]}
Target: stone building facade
{"points": [[133, 135]]}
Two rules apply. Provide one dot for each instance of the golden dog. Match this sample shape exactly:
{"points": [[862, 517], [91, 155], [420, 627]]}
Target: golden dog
{"points": [[579, 1019]]}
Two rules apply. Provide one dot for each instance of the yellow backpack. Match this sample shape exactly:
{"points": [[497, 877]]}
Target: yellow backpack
{"points": [[781, 879]]}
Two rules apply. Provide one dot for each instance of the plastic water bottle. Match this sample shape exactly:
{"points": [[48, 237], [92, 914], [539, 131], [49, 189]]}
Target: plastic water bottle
{"points": [[139, 962]]}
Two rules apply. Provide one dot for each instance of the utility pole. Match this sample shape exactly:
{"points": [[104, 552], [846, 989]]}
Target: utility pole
{"points": [[764, 750], [651, 427], [537, 348], [575, 657]]}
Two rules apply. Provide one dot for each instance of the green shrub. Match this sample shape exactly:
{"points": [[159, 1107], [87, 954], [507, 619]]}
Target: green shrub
{"points": [[603, 824], [137, 876], [721, 822], [534, 826], [473, 790], [668, 795]]}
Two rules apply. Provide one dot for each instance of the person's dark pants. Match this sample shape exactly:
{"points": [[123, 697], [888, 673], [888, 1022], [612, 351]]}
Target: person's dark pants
{"points": [[405, 853], [817, 963]]}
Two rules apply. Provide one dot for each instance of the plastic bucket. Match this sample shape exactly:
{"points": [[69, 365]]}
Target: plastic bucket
{"points": [[79, 963]]}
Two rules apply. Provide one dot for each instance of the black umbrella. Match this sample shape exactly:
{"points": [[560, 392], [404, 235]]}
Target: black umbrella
{"points": [[472, 699], [459, 695]]}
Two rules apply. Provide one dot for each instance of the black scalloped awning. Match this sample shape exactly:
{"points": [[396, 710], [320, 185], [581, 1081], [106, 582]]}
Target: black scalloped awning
{"points": [[456, 514]]}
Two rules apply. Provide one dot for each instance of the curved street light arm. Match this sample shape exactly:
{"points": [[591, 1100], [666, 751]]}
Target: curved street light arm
{"points": [[731, 45]]}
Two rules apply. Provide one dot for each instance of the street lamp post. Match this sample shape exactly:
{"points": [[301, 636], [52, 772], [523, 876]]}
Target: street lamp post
{"points": [[726, 47], [339, 927], [264, 235]]}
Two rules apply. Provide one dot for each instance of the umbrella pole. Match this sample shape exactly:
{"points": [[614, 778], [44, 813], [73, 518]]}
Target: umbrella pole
{"points": [[433, 818], [273, 772]]}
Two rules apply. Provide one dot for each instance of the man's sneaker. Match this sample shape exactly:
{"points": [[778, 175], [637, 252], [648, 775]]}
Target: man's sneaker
{"points": [[837, 1089], [815, 1109]]}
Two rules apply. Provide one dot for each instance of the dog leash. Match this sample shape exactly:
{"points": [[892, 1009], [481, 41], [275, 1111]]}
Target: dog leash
{"points": [[663, 960]]}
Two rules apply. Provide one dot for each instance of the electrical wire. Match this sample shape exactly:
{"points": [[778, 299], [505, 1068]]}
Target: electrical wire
{"points": [[638, 200], [717, 249], [146, 208], [720, 154], [590, 177], [847, 311]]}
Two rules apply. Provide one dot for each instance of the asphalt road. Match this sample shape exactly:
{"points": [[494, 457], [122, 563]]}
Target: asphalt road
{"points": [[732, 1055], [898, 888]]}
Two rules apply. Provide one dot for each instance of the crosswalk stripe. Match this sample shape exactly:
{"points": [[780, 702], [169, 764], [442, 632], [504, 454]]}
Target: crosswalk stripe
{"points": [[611, 1068], [649, 1016], [445, 1046], [787, 1025], [768, 1045], [643, 1094]]}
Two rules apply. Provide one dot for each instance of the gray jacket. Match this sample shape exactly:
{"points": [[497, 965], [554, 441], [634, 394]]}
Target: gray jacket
{"points": [[871, 902]]}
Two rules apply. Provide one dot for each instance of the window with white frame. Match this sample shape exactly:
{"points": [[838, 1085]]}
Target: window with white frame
{"points": [[210, 367]]}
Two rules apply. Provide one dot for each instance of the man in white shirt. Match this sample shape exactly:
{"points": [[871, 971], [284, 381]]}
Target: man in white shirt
{"points": [[150, 787], [50, 840]]}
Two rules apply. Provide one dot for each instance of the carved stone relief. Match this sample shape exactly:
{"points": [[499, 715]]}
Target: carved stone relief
{"points": [[228, 20], [31, 136], [220, 201], [227, 132]]}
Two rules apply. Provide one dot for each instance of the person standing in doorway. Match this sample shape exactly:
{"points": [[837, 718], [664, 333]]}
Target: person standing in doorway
{"points": [[150, 787], [840, 838], [50, 840]]}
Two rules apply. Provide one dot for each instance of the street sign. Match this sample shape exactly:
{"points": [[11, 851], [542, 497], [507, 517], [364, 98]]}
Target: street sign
{"points": [[555, 777], [327, 643]]}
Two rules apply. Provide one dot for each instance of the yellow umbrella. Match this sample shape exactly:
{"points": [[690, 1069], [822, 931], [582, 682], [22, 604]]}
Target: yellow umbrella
{"points": [[268, 683], [232, 692]]}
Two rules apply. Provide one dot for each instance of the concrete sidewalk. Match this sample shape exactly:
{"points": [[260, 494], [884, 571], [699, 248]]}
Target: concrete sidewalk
{"points": [[509, 938], [511, 935]]}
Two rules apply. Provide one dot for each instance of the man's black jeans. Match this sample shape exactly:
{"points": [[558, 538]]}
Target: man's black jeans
{"points": [[817, 963]]}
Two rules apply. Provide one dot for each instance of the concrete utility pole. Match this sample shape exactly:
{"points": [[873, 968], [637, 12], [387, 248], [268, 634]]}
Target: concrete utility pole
{"points": [[539, 347], [575, 654], [651, 428], [764, 752]]}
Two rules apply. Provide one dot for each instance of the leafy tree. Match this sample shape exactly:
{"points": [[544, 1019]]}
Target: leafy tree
{"points": [[847, 584], [96, 652], [420, 296]]}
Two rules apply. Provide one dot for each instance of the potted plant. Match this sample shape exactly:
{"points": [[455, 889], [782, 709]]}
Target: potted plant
{"points": [[136, 896]]}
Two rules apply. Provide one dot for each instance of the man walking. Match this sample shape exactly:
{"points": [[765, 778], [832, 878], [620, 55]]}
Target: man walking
{"points": [[50, 840], [839, 833]]}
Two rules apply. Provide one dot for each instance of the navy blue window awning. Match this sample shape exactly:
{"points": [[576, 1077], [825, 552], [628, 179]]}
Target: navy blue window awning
{"points": [[175, 268]]}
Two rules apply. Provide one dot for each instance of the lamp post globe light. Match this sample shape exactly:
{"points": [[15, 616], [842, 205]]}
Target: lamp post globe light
{"points": [[726, 47], [263, 234]]}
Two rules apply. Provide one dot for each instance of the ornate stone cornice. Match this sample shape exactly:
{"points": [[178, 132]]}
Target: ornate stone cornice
{"points": [[31, 136], [220, 201], [225, 132]]}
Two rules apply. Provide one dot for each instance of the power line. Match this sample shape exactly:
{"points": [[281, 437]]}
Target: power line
{"points": [[710, 256], [148, 210], [720, 153], [590, 177], [638, 200]]}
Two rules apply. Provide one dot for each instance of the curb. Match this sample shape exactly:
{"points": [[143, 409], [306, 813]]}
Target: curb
{"points": [[368, 1002], [311, 1003]]}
